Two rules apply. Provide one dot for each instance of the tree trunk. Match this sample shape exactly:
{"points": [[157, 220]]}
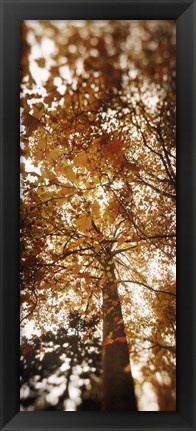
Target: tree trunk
{"points": [[118, 386]]}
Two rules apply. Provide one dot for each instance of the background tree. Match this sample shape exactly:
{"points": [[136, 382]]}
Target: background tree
{"points": [[59, 370], [98, 194]]}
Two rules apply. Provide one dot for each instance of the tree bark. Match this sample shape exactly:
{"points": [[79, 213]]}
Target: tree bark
{"points": [[118, 385]]}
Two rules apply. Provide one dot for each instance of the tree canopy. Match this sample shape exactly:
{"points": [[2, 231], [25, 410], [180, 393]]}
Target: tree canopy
{"points": [[98, 211]]}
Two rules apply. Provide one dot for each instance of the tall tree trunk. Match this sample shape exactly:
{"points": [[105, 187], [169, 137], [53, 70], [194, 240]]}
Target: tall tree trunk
{"points": [[118, 386]]}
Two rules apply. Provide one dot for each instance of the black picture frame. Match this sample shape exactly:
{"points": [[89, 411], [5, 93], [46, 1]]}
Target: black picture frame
{"points": [[184, 12]]}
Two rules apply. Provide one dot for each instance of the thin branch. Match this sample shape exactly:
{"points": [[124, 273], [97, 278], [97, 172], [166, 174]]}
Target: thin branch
{"points": [[148, 287]]}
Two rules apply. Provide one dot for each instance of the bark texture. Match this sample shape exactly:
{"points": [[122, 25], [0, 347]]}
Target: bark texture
{"points": [[118, 385]]}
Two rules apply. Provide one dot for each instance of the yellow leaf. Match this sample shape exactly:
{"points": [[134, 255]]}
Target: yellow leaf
{"points": [[89, 331], [85, 275], [54, 154], [77, 267], [70, 175], [97, 248], [43, 213], [41, 62], [95, 207], [121, 240], [84, 223], [80, 160]]}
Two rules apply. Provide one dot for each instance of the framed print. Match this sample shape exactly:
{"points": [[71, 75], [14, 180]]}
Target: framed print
{"points": [[89, 298]]}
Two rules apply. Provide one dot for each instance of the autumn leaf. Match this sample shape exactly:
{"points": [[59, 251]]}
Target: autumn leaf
{"points": [[113, 150], [39, 275], [121, 240], [84, 223], [69, 174], [97, 248], [41, 62], [77, 267], [80, 160], [95, 207], [22, 168], [135, 238], [30, 122], [86, 275], [24, 298]]}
